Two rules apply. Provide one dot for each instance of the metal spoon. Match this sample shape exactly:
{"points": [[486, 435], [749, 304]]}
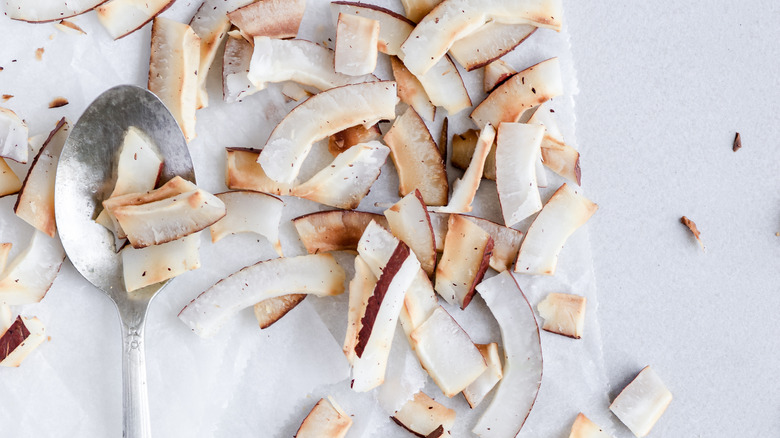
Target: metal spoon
{"points": [[86, 176]]}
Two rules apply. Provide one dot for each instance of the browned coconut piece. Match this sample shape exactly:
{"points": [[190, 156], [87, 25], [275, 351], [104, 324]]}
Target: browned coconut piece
{"points": [[24, 336], [584, 428], [13, 136], [326, 420], [235, 69], [343, 140], [445, 87], [35, 203], [40, 11], [393, 28], [525, 90], [481, 387], [563, 314], [640, 404], [271, 18], [409, 221], [443, 137], [250, 212], [465, 188], [506, 241], [245, 173], [356, 44], [153, 264], [496, 73], [69, 27], [334, 230], [417, 159], [463, 146], [422, 415], [417, 9], [123, 17], [411, 91], [271, 310], [556, 154], [29, 276], [467, 251], [489, 43], [9, 182], [361, 287]]}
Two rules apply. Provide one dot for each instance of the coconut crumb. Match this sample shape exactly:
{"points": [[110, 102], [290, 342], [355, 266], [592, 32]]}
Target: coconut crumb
{"points": [[737, 143], [39, 53], [7, 97], [58, 102], [692, 226]]}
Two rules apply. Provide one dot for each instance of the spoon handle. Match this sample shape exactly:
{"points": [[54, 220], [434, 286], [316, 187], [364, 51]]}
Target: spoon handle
{"points": [[135, 400]]}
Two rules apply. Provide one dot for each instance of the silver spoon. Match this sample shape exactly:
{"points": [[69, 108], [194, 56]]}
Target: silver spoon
{"points": [[85, 176]]}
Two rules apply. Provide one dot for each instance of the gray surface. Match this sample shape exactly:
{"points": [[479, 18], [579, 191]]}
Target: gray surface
{"points": [[664, 86]]}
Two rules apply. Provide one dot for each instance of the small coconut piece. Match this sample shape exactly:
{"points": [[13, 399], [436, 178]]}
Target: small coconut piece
{"points": [[58, 102], [693, 229], [496, 72], [293, 91], [334, 230], [343, 140], [452, 20], [489, 43], [6, 317], [422, 415], [417, 9], [9, 182], [409, 221], [250, 212], [566, 211], [444, 86], [506, 241], [321, 116], [584, 428], [465, 188], [24, 336], [467, 251], [41, 11], [347, 180], [563, 314], [378, 324], [30, 275], [361, 287], [393, 28], [481, 387], [123, 17], [526, 89], [35, 203], [463, 147], [556, 154], [516, 393], [69, 27], [411, 91], [173, 70], [169, 219], [271, 18], [235, 69], [13, 136], [271, 310], [326, 420], [417, 159], [443, 137], [245, 173], [5, 249], [439, 225], [258, 282], [447, 353], [517, 152], [153, 264], [640, 404], [356, 44]]}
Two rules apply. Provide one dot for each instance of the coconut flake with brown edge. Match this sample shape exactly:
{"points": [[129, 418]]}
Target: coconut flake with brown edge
{"points": [[409, 221], [245, 173], [489, 43], [30, 275], [481, 387], [271, 310], [343, 140], [640, 404], [463, 147], [584, 428], [271, 18], [40, 11], [250, 212], [563, 314], [506, 241], [411, 91], [360, 289], [334, 230], [516, 392], [566, 211], [393, 28], [422, 415], [467, 251], [146, 266], [13, 136], [496, 72], [556, 154], [517, 152], [235, 69], [9, 182], [122, 17], [356, 44], [320, 116], [267, 279], [24, 336], [326, 420], [445, 87]]}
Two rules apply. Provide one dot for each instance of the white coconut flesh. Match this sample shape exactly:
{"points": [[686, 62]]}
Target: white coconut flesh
{"points": [[245, 173], [410, 222], [326, 420], [422, 415], [640, 404], [496, 72], [235, 69], [563, 314], [411, 91], [28, 277], [444, 86], [463, 263], [13, 136], [583, 427], [272, 18], [153, 264], [38, 11], [393, 28], [9, 182], [489, 43], [481, 387], [122, 17], [250, 212], [356, 45], [334, 230], [517, 153]]}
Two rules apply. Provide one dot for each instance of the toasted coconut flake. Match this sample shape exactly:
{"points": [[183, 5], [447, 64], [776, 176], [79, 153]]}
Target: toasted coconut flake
{"points": [[563, 314], [360, 289], [58, 102], [517, 391], [235, 69], [409, 221], [584, 428], [250, 212], [393, 28], [489, 43], [35, 203], [271, 310], [69, 27], [245, 173], [271, 18], [123, 17], [9, 182], [320, 116], [517, 152], [422, 415], [566, 211], [343, 140], [326, 420], [30, 275], [642, 402], [556, 154], [463, 147], [443, 137], [334, 230], [13, 136], [694, 230], [417, 159], [496, 72], [347, 180], [356, 44], [465, 188], [506, 241], [40, 11], [153, 264], [445, 87], [452, 20], [481, 387], [467, 251], [173, 70], [417, 9], [526, 89], [261, 281], [411, 91], [24, 336], [447, 353]]}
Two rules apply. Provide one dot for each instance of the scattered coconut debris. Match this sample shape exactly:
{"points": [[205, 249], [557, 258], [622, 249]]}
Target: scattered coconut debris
{"points": [[737, 143], [39, 53], [58, 102], [692, 226]]}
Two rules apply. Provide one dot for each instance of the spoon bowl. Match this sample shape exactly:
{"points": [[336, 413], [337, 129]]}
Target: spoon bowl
{"points": [[86, 175]]}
